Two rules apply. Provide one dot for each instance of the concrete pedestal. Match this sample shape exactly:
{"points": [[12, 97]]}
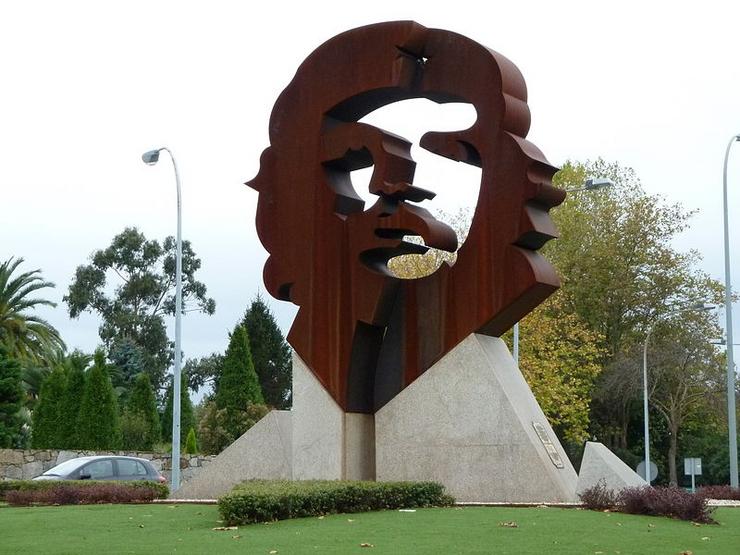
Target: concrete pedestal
{"points": [[472, 423], [469, 422], [328, 444]]}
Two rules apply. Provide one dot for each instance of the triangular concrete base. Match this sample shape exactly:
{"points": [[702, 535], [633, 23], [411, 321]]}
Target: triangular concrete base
{"points": [[472, 423], [264, 451], [599, 463], [469, 422]]}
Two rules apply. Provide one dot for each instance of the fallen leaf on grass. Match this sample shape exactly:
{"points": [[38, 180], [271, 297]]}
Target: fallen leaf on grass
{"points": [[508, 524], [705, 538], [686, 553], [696, 524], [235, 537], [222, 528], [366, 545], [651, 525], [406, 510], [321, 517], [141, 526], [273, 552], [350, 520]]}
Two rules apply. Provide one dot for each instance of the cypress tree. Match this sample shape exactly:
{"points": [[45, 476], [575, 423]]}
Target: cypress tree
{"points": [[238, 386], [187, 413], [11, 399], [71, 406], [270, 354], [98, 426], [191, 445], [143, 404], [48, 422]]}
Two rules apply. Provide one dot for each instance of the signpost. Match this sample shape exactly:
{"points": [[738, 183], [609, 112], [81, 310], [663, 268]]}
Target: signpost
{"points": [[692, 467]]}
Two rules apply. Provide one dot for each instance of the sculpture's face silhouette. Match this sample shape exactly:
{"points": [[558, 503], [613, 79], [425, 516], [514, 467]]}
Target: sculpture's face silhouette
{"points": [[364, 333]]}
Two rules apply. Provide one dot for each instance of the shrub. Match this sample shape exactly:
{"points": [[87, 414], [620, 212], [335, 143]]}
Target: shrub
{"points": [[599, 497], [664, 501], [719, 492], [72, 492], [264, 501]]}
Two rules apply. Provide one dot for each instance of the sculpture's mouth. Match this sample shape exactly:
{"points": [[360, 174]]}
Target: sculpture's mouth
{"points": [[394, 219]]}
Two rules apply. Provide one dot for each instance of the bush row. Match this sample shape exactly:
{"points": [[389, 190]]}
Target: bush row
{"points": [[719, 492], [85, 491], [646, 500], [268, 500]]}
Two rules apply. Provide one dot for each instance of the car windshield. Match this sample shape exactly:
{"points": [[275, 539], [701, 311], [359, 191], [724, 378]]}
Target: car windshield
{"points": [[65, 468]]}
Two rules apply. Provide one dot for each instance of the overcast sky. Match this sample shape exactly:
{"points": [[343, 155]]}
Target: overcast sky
{"points": [[86, 87]]}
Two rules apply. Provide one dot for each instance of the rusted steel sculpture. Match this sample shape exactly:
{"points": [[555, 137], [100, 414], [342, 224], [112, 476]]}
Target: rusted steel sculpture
{"points": [[364, 333]]}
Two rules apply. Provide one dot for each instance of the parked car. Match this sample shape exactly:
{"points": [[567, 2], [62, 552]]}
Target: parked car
{"points": [[103, 467]]}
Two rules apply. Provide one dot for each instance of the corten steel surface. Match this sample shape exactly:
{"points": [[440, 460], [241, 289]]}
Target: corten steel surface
{"points": [[365, 334]]}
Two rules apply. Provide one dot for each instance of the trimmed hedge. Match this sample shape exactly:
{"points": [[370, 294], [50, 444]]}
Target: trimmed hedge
{"points": [[86, 491], [267, 500]]}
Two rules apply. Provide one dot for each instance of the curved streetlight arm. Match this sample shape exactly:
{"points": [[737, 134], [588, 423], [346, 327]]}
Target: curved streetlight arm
{"points": [[731, 419]]}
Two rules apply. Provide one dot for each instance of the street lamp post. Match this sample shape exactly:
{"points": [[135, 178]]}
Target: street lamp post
{"points": [[150, 158], [588, 185], [646, 417], [731, 419]]}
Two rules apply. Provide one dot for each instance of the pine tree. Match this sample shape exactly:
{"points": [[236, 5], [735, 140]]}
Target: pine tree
{"points": [[48, 416], [98, 426], [11, 399], [142, 404], [238, 386], [270, 354], [187, 414]]}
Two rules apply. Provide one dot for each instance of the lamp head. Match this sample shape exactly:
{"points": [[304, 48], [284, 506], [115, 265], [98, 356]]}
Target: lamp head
{"points": [[702, 306], [597, 183], [151, 157]]}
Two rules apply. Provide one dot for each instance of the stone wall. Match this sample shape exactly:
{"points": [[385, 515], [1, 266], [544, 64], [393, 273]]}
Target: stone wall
{"points": [[24, 464]]}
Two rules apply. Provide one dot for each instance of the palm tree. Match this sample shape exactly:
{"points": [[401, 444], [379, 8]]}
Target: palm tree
{"points": [[27, 337]]}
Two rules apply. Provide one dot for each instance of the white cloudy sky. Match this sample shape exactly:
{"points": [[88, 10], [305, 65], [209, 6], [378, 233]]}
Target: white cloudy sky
{"points": [[86, 87]]}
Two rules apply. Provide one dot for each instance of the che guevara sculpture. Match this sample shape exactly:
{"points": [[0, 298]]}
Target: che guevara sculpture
{"points": [[364, 333]]}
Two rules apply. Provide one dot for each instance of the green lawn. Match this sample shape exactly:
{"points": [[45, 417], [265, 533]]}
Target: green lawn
{"points": [[110, 529]]}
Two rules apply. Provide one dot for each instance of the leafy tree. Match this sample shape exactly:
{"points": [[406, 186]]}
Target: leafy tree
{"points": [[11, 399], [25, 336], [204, 371], [559, 357], [191, 445], [187, 416], [145, 294], [619, 274], [142, 405], [49, 427], [219, 428], [684, 370], [98, 426], [271, 355]]}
